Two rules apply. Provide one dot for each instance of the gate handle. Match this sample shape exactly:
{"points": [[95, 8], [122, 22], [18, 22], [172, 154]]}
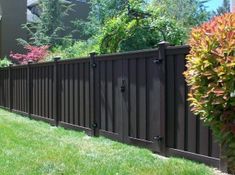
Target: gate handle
{"points": [[123, 86]]}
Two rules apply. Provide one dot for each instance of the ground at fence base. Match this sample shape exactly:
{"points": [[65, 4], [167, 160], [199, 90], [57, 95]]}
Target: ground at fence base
{"points": [[33, 147]]}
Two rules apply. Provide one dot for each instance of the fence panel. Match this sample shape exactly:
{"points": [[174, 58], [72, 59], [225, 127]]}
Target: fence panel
{"points": [[74, 92], [141, 100], [186, 134], [19, 89], [126, 97], [41, 94], [128, 87]]}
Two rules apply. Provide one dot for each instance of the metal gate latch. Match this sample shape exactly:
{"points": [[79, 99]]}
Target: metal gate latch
{"points": [[123, 87]]}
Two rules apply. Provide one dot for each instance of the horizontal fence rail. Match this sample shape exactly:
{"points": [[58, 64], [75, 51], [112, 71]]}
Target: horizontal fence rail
{"points": [[137, 98]]}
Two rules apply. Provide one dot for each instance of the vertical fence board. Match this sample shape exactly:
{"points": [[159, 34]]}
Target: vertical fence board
{"points": [[67, 97], [117, 106], [76, 94], [21, 98], [62, 92], [50, 93], [133, 98], [43, 90], [18, 89], [46, 91], [82, 85], [97, 91], [36, 91], [142, 98], [103, 98], [171, 102], [126, 101], [71, 94], [87, 95], [110, 102], [192, 135], [204, 140], [180, 99]]}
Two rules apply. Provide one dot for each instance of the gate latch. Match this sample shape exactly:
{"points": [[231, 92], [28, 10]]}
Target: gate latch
{"points": [[123, 86]]}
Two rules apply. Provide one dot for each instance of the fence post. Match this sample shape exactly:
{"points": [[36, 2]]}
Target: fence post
{"points": [[163, 82], [55, 91], [10, 86], [29, 87], [92, 94]]}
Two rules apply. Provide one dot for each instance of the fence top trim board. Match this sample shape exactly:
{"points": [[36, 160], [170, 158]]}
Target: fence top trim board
{"points": [[170, 50], [174, 50]]}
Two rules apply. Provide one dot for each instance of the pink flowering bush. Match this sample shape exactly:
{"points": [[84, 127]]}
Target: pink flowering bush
{"points": [[34, 54]]}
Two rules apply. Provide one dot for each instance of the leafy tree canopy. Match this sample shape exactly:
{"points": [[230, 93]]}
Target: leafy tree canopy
{"points": [[189, 12], [129, 32], [124, 25]]}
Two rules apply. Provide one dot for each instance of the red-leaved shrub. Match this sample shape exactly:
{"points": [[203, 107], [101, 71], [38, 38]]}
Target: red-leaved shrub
{"points": [[34, 54], [211, 77]]}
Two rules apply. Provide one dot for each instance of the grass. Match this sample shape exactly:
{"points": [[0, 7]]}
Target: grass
{"points": [[31, 147]]}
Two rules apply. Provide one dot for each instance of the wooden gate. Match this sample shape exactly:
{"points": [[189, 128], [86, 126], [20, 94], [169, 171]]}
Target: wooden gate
{"points": [[129, 96]]}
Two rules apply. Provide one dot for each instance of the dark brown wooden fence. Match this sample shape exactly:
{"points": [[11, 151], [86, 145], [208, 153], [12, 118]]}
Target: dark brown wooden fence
{"points": [[137, 98]]}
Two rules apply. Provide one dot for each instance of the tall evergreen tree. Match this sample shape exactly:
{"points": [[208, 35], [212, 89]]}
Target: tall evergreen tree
{"points": [[101, 11], [224, 8], [45, 31]]}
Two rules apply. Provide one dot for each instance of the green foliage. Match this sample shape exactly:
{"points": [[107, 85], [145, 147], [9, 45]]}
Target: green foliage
{"points": [[46, 30], [138, 24], [5, 62], [101, 10], [116, 26], [78, 49], [188, 12], [139, 28], [211, 77]]}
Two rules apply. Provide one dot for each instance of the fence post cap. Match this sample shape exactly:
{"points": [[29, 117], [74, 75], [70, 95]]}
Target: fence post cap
{"points": [[163, 43], [57, 58], [93, 54], [30, 62]]}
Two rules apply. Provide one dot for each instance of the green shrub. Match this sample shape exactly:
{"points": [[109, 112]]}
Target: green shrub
{"points": [[78, 49], [211, 77], [5, 62]]}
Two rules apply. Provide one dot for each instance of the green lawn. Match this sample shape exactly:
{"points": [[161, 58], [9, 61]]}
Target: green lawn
{"points": [[28, 147]]}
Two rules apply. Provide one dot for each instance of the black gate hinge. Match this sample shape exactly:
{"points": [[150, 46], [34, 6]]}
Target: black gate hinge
{"points": [[93, 65], [157, 61], [94, 125], [158, 138]]}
